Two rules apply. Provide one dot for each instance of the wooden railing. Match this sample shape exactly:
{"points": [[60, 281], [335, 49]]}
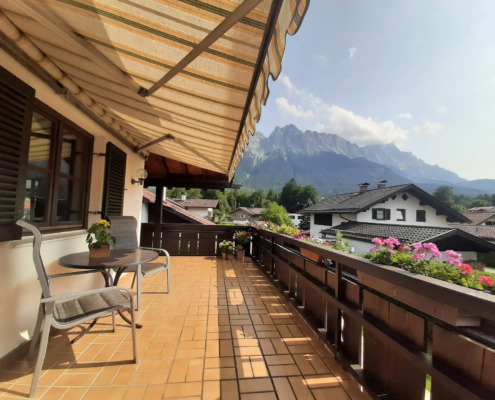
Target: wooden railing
{"points": [[396, 332], [187, 239]]}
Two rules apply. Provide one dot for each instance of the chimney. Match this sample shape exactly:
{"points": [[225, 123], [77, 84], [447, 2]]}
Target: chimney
{"points": [[183, 197], [363, 187], [381, 184]]}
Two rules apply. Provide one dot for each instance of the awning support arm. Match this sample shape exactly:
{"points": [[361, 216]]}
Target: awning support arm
{"points": [[168, 136], [211, 38]]}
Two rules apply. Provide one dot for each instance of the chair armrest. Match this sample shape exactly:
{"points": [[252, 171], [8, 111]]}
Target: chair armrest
{"points": [[162, 252], [71, 296], [92, 271]]}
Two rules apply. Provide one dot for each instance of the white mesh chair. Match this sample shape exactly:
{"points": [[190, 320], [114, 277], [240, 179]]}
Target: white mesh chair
{"points": [[68, 310], [124, 230]]}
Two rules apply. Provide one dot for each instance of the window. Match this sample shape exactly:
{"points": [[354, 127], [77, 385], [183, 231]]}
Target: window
{"points": [[58, 171], [490, 223], [380, 214], [323, 219], [401, 214], [420, 215]]}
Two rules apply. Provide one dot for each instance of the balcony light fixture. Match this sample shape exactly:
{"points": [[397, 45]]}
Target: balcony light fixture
{"points": [[141, 174]]}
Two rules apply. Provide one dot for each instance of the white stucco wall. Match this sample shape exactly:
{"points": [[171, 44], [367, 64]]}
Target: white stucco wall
{"points": [[19, 287], [201, 211], [337, 219], [410, 205]]}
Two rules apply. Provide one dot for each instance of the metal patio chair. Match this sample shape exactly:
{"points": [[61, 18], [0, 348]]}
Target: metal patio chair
{"points": [[71, 309], [124, 230]]}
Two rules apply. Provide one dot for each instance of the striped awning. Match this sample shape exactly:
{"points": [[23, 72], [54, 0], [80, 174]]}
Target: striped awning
{"points": [[183, 79]]}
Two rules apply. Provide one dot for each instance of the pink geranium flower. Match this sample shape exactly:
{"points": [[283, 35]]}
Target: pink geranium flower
{"points": [[378, 241], [485, 280], [466, 269], [373, 249]]}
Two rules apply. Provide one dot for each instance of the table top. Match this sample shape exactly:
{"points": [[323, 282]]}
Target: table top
{"points": [[118, 258]]}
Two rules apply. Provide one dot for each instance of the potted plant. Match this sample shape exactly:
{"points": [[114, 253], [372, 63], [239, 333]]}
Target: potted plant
{"points": [[99, 239], [239, 252], [242, 238], [227, 249]]}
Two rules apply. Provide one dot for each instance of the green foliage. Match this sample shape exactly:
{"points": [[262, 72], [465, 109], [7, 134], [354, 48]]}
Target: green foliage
{"points": [[290, 230], [293, 194], [272, 196], [99, 235], [276, 214], [445, 194], [256, 199], [226, 247]]}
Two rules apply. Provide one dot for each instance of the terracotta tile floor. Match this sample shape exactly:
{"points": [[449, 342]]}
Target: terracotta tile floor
{"points": [[224, 332]]}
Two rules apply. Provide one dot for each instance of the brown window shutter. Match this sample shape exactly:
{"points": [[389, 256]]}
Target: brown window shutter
{"points": [[114, 184], [16, 111]]}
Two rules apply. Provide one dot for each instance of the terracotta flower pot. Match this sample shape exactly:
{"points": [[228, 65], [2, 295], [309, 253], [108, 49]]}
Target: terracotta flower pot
{"points": [[230, 256], [311, 255], [102, 252], [240, 254], [224, 256]]}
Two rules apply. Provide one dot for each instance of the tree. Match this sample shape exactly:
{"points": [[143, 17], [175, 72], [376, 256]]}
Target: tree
{"points": [[459, 208], [272, 196], [257, 198], [444, 194], [243, 199], [308, 195], [289, 196], [479, 203], [276, 213]]}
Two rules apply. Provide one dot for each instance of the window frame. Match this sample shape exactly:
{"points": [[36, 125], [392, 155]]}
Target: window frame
{"points": [[403, 212], [423, 212], [324, 219], [386, 214], [60, 125]]}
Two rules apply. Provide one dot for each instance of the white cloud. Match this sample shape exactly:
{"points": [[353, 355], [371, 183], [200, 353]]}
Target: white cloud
{"points": [[352, 52], [431, 128], [291, 109], [364, 131], [405, 116], [332, 118], [441, 109]]}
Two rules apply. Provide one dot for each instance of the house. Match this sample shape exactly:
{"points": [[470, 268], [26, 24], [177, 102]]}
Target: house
{"points": [[96, 96], [481, 215], [245, 214], [202, 207], [173, 213], [405, 212], [295, 215]]}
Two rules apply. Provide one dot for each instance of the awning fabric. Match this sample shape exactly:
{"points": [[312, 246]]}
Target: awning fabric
{"points": [[106, 51]]}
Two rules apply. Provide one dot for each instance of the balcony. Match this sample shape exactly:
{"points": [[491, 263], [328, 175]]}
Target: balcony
{"points": [[277, 326]]}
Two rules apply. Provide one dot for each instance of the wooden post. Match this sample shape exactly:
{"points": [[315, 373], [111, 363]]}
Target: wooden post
{"points": [[157, 217]]}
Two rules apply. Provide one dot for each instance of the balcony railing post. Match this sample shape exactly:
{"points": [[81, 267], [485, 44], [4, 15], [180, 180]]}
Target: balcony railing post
{"points": [[339, 290]]}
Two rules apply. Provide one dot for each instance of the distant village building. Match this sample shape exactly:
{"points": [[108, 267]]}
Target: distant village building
{"points": [[405, 212], [202, 207], [173, 213], [245, 214]]}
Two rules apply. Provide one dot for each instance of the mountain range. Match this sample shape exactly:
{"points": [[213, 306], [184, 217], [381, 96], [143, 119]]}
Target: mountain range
{"points": [[335, 165]]}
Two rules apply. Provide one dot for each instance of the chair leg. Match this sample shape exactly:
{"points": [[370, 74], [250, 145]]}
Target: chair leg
{"points": [[113, 321], [36, 333], [168, 280], [45, 333], [133, 280], [139, 277]]}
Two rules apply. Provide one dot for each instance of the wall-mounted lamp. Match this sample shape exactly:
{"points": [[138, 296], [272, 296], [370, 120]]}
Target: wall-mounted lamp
{"points": [[141, 174]]}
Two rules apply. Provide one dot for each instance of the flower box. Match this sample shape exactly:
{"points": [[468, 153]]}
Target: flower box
{"points": [[311, 255]]}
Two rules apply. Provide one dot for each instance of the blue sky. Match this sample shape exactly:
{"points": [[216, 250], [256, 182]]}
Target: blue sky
{"points": [[420, 74]]}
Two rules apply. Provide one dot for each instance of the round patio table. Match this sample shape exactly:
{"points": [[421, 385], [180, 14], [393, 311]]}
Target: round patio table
{"points": [[118, 260]]}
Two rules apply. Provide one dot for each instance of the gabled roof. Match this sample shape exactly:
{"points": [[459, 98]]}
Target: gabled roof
{"points": [[249, 211], [353, 203], [486, 232], [176, 209], [409, 234], [197, 203], [479, 217]]}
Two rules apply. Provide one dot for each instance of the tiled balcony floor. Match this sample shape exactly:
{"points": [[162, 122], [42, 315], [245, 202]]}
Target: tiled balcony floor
{"points": [[224, 332]]}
